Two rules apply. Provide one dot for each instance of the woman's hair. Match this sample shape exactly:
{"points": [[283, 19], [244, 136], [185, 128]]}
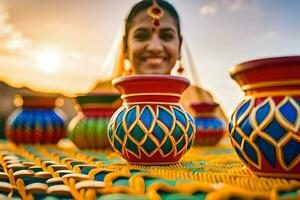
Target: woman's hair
{"points": [[145, 4]]}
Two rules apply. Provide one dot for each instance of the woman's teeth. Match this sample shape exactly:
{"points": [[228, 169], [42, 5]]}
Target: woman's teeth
{"points": [[154, 61]]}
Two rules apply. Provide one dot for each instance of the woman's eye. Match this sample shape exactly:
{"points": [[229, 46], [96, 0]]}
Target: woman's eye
{"points": [[142, 36], [167, 36]]}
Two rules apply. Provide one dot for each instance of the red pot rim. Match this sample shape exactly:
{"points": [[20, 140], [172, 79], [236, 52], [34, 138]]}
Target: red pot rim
{"points": [[147, 83], [257, 63], [97, 94], [150, 77], [38, 101], [204, 106], [268, 75]]}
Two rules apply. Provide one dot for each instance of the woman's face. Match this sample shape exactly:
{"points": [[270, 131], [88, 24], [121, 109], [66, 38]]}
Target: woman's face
{"points": [[153, 51]]}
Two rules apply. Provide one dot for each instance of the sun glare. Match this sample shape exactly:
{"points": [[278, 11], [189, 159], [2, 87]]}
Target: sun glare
{"points": [[50, 60]]}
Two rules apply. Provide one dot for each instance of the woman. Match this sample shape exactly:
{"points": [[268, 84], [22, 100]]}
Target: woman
{"points": [[151, 44], [146, 48]]}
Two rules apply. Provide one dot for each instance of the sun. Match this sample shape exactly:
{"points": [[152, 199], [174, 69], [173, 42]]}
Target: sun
{"points": [[49, 60]]}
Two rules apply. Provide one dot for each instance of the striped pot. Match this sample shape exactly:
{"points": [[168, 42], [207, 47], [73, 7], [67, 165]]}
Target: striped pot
{"points": [[36, 121], [88, 128], [209, 128]]}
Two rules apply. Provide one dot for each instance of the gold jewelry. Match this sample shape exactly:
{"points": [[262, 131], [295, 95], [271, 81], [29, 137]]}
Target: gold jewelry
{"points": [[155, 12], [127, 67], [180, 67]]}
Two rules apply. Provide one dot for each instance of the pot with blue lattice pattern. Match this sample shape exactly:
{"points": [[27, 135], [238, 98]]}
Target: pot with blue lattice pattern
{"points": [[151, 127], [265, 128]]}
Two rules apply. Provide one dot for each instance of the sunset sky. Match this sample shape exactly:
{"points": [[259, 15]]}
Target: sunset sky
{"points": [[61, 45]]}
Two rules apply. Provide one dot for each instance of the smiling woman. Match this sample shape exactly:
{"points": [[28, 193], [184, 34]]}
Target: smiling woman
{"points": [[152, 50]]}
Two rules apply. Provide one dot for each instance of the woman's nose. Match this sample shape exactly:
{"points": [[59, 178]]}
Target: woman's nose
{"points": [[155, 44]]}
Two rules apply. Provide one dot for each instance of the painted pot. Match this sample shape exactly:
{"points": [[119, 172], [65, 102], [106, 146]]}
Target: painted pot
{"points": [[264, 129], [37, 120], [209, 128], [151, 128], [88, 128]]}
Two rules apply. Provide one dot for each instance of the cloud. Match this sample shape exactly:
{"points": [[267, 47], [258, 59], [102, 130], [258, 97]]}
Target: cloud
{"points": [[19, 58], [75, 74], [209, 9], [271, 34], [11, 39], [216, 6], [233, 5]]}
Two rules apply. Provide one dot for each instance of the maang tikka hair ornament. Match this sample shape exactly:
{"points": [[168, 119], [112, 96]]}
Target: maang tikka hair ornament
{"points": [[155, 12]]}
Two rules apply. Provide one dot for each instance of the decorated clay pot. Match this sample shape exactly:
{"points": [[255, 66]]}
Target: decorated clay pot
{"points": [[37, 120], [151, 127], [209, 128], [88, 128], [264, 129]]}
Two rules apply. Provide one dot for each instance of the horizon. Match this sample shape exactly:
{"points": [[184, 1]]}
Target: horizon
{"points": [[77, 35]]}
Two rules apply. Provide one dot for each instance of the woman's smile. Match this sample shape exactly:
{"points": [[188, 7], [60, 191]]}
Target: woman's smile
{"points": [[153, 61]]}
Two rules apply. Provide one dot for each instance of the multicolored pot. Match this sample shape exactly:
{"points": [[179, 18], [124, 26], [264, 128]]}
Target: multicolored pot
{"points": [[88, 128], [36, 121], [265, 128], [209, 128], [151, 127]]}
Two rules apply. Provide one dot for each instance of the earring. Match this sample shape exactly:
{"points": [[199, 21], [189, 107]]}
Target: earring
{"points": [[180, 67], [127, 67]]}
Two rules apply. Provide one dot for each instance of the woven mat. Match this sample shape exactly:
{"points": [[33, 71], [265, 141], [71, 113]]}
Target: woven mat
{"points": [[52, 172]]}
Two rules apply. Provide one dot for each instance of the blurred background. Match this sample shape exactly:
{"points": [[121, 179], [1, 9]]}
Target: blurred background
{"points": [[61, 46]]}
